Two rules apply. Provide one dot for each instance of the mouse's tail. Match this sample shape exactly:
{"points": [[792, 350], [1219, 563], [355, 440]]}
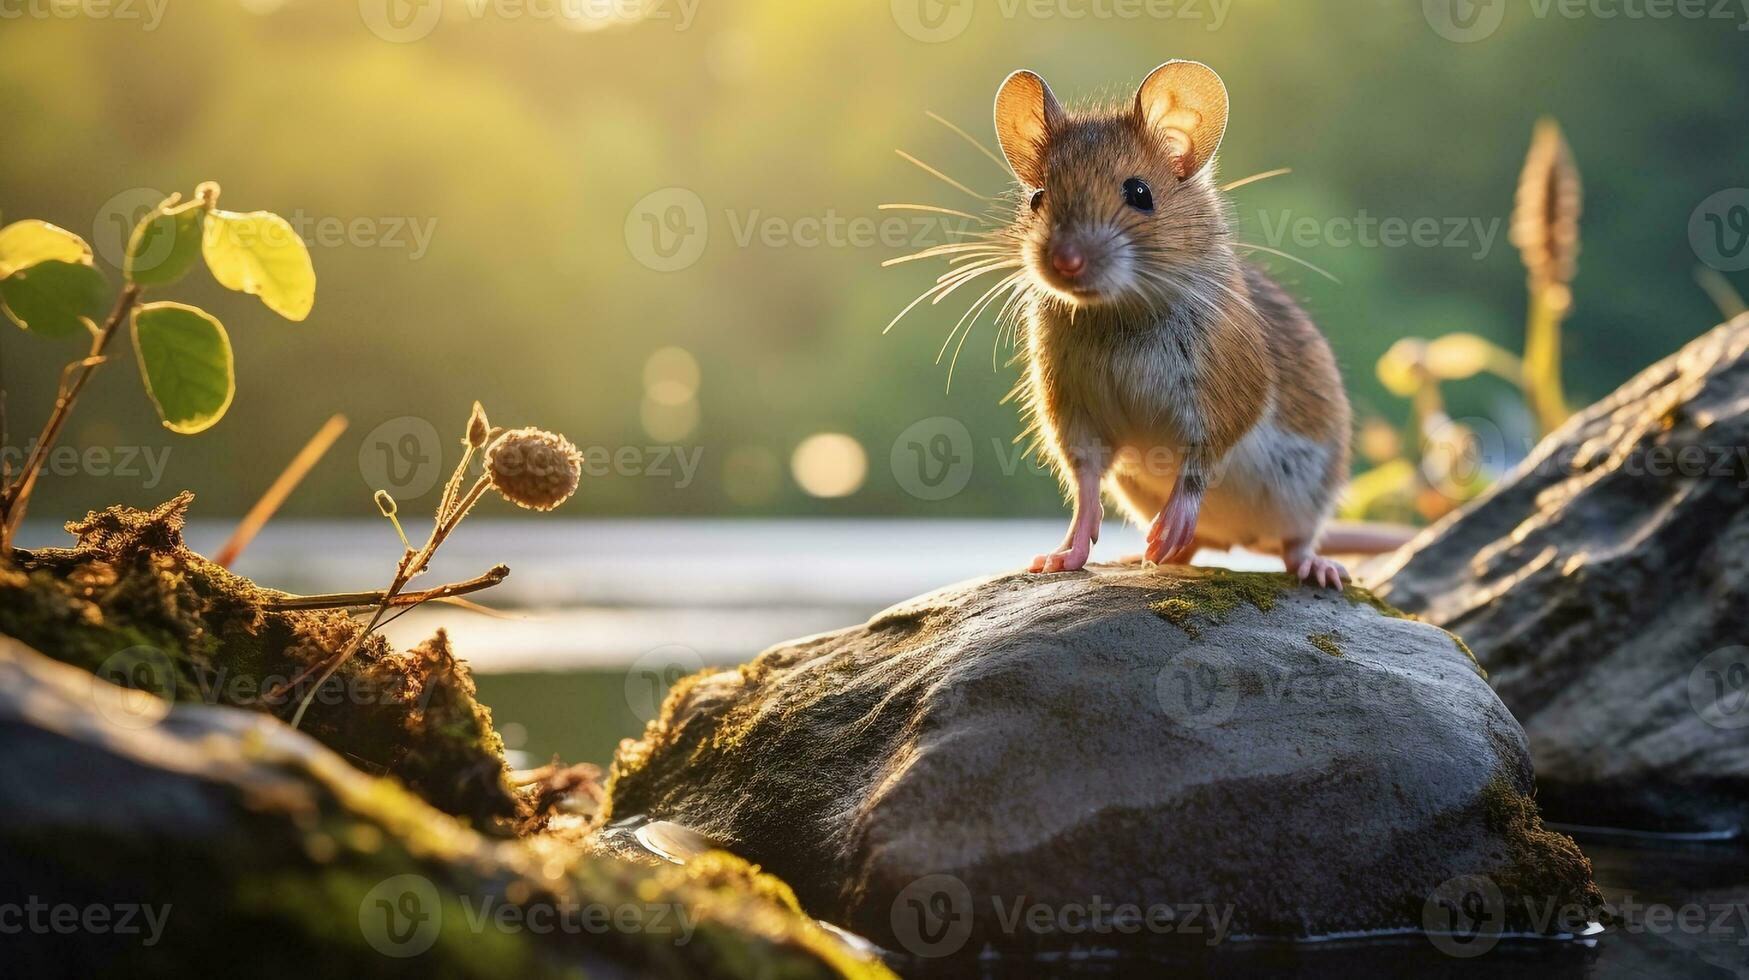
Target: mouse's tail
{"points": [[1364, 537]]}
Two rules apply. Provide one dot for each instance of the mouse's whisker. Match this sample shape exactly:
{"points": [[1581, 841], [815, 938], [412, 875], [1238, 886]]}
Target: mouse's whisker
{"points": [[969, 138], [975, 272], [1005, 321], [956, 185], [913, 304], [1254, 178], [949, 248], [1291, 258], [971, 320], [933, 209]]}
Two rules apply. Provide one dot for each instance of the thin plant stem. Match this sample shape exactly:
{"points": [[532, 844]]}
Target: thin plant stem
{"points": [[344, 600], [16, 497], [411, 564]]}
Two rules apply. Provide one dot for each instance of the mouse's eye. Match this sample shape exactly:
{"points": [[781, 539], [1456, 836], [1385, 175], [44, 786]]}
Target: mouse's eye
{"points": [[1038, 199], [1137, 195]]}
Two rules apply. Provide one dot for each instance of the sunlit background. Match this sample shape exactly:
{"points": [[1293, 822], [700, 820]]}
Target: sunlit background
{"points": [[653, 225]]}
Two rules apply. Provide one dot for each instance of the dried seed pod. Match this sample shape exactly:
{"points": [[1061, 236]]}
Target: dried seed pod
{"points": [[478, 428], [534, 468], [1545, 216]]}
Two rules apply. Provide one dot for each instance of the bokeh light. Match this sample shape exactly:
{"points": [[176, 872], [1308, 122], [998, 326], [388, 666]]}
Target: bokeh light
{"points": [[829, 464]]}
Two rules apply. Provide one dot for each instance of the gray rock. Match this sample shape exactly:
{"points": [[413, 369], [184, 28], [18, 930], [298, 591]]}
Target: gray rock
{"points": [[1604, 583], [216, 840], [1275, 760]]}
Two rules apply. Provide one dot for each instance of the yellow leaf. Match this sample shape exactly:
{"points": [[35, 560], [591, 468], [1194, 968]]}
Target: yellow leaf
{"points": [[27, 243], [259, 253]]}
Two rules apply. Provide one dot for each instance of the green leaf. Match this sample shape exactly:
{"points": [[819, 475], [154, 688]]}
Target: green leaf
{"points": [[27, 243], [259, 253], [185, 358], [55, 298], [165, 244]]}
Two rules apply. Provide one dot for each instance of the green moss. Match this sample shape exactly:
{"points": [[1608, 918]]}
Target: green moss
{"points": [[1464, 648], [1541, 866], [1326, 643], [1359, 596], [1209, 594], [131, 603]]}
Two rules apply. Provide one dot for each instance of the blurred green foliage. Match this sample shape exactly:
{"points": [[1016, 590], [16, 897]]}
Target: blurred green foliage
{"points": [[470, 196]]}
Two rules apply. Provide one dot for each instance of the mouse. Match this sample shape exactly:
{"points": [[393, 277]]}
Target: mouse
{"points": [[1161, 367]]}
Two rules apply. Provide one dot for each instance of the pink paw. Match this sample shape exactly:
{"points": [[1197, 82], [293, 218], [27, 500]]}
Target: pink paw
{"points": [[1173, 536], [1071, 559], [1318, 570]]}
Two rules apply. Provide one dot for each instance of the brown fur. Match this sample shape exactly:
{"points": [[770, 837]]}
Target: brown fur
{"points": [[1170, 352]]}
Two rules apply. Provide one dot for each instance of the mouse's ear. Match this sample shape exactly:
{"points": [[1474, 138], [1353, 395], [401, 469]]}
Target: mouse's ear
{"points": [[1185, 104], [1026, 112]]}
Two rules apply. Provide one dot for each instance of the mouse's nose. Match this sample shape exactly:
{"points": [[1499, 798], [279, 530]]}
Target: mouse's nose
{"points": [[1068, 260]]}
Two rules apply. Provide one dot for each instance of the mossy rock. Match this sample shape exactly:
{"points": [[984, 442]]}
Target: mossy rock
{"points": [[1306, 760], [131, 602], [260, 853]]}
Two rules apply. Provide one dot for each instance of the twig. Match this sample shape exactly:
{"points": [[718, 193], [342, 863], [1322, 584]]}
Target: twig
{"points": [[343, 600], [16, 497], [412, 563], [282, 487]]}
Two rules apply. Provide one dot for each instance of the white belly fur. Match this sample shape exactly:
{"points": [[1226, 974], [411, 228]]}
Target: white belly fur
{"points": [[1272, 486]]}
